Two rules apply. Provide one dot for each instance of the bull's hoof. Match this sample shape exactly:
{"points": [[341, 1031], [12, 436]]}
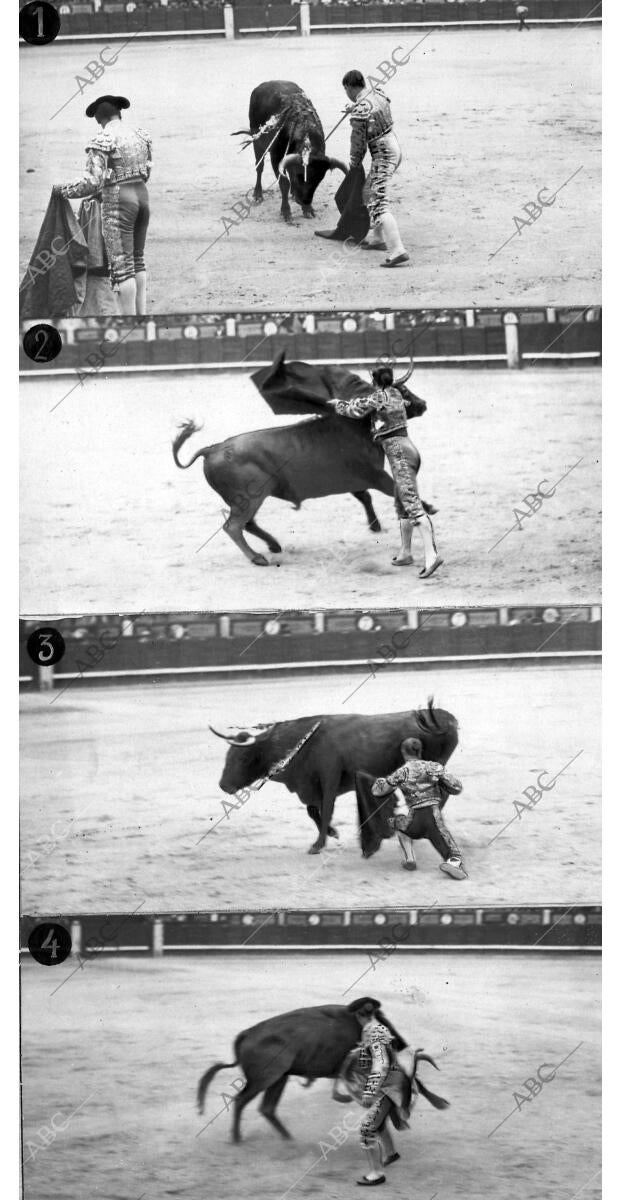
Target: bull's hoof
{"points": [[333, 832], [275, 547], [375, 527], [309, 212], [258, 199], [287, 217], [315, 848], [259, 560]]}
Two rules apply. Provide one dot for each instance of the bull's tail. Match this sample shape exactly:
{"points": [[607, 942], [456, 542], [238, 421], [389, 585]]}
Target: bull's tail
{"points": [[206, 1080], [436, 1101], [186, 430]]}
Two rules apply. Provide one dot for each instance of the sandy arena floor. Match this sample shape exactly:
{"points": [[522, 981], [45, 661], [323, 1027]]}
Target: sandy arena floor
{"points": [[486, 118], [120, 790], [126, 1042], [109, 523]]}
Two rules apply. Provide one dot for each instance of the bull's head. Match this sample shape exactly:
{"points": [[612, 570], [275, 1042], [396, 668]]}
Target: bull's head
{"points": [[415, 406], [438, 731], [247, 759], [368, 1001], [399, 1042], [305, 170]]}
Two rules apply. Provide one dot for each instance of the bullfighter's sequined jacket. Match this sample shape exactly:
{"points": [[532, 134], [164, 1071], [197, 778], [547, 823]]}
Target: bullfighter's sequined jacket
{"points": [[372, 1071], [371, 119], [418, 780], [375, 1057], [389, 415], [117, 154]]}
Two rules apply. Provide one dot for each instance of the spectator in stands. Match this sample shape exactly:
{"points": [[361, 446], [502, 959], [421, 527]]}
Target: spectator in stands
{"points": [[118, 166]]}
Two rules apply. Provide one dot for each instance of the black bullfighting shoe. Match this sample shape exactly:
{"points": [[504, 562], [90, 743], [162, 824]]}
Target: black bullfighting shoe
{"points": [[454, 868], [365, 1182], [399, 261], [426, 572], [392, 1158]]}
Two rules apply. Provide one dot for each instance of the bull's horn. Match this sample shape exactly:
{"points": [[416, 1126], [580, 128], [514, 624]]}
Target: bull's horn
{"points": [[234, 738], [406, 376], [286, 162], [237, 735], [336, 165], [420, 1056]]}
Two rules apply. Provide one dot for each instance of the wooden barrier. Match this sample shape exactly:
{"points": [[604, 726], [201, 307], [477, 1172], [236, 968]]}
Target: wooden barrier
{"points": [[516, 342], [116, 649], [501, 927]]}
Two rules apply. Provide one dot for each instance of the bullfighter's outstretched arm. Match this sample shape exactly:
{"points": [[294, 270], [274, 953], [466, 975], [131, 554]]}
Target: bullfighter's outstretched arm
{"points": [[358, 407], [384, 785], [425, 775], [91, 181]]}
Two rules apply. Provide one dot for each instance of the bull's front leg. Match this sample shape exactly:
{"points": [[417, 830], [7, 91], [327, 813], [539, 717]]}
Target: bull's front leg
{"points": [[312, 799], [326, 829], [258, 186], [285, 208]]}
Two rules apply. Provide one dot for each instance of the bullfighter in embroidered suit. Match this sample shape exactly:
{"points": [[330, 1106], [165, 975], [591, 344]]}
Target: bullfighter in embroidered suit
{"points": [[372, 129], [421, 788], [372, 1075], [118, 166], [389, 428]]}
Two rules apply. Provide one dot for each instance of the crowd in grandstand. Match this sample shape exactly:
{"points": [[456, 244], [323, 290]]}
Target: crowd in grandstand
{"points": [[131, 6]]}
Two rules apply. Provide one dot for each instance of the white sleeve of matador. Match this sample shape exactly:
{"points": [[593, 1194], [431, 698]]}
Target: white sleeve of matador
{"points": [[358, 407]]}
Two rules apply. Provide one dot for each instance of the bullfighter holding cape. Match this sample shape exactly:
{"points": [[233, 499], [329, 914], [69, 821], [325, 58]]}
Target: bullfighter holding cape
{"points": [[387, 404], [118, 166], [422, 787], [374, 1078]]}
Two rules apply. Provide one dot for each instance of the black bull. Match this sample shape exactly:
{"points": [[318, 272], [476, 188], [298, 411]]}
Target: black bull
{"points": [[309, 1042], [285, 124], [318, 457], [326, 766]]}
